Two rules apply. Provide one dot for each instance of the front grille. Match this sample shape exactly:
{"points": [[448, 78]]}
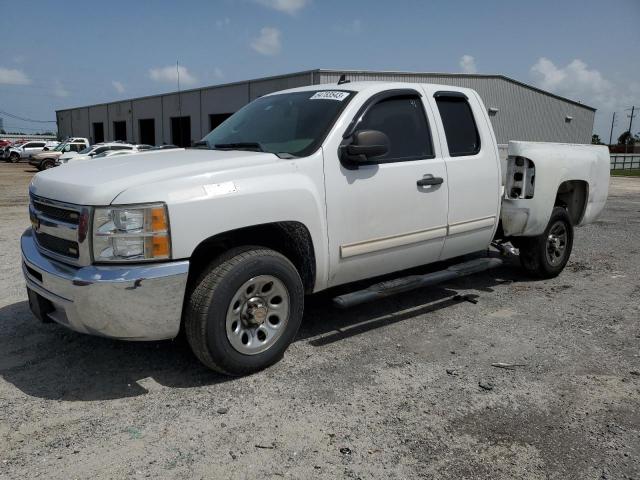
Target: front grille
{"points": [[56, 213], [60, 229], [58, 245]]}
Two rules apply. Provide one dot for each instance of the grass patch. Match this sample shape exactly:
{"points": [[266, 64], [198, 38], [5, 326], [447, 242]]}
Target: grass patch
{"points": [[626, 173]]}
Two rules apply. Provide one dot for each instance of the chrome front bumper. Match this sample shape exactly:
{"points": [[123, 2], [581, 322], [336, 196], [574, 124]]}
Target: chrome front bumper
{"points": [[129, 302]]}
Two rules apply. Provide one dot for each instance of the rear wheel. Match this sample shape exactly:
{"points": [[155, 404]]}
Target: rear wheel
{"points": [[545, 256], [244, 311]]}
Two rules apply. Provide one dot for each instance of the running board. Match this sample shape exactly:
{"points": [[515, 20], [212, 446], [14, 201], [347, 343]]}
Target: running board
{"points": [[404, 284]]}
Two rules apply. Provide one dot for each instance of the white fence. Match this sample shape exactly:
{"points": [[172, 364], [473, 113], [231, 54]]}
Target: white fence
{"points": [[13, 138], [625, 161]]}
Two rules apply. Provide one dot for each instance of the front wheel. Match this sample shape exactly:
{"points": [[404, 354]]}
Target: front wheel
{"points": [[244, 310], [14, 157], [46, 165], [546, 255]]}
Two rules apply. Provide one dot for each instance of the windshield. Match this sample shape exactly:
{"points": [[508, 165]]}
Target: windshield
{"points": [[289, 123], [60, 147]]}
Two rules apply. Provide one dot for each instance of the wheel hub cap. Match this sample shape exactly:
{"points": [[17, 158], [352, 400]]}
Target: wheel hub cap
{"points": [[256, 312], [557, 243], [257, 315]]}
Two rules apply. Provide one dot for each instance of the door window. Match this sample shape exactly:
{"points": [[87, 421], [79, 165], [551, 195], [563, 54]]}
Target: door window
{"points": [[403, 120], [459, 125]]}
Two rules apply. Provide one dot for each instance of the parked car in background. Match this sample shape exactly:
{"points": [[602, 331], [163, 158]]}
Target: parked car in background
{"points": [[165, 147], [97, 149], [27, 149], [113, 153], [7, 148], [47, 158]]}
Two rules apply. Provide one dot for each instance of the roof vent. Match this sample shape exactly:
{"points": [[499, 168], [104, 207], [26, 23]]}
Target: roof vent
{"points": [[493, 111], [568, 119]]}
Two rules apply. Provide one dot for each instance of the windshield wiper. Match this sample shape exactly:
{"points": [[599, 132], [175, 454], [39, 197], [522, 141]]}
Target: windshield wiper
{"points": [[240, 146], [200, 144]]}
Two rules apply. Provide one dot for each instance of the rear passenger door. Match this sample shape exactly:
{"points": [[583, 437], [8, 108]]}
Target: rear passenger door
{"points": [[471, 157]]}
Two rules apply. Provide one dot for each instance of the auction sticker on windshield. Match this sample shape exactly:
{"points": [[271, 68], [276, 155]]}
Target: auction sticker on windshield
{"points": [[330, 95]]}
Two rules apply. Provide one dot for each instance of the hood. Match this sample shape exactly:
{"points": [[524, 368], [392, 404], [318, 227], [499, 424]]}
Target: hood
{"points": [[99, 181], [75, 157], [69, 154]]}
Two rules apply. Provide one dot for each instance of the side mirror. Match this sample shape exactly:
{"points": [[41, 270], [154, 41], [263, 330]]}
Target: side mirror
{"points": [[365, 146]]}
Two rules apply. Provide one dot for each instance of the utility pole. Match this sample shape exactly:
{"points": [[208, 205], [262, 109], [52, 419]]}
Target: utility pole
{"points": [[612, 122], [630, 123]]}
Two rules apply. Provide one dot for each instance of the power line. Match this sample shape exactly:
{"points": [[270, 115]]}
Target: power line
{"points": [[30, 120]]}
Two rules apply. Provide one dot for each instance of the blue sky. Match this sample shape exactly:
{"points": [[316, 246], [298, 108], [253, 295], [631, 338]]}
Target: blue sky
{"points": [[62, 54]]}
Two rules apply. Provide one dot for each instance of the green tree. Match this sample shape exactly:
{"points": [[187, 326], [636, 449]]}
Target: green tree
{"points": [[626, 138], [595, 139]]}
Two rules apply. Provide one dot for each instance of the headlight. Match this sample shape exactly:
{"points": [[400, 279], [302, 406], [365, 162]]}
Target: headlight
{"points": [[131, 233]]}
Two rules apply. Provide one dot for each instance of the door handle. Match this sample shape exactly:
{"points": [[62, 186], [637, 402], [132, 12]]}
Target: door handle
{"points": [[426, 181]]}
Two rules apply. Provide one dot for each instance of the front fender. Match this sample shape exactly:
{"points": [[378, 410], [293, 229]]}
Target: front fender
{"points": [[204, 206]]}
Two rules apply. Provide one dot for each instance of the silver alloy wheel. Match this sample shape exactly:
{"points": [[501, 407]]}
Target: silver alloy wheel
{"points": [[258, 314], [556, 243]]}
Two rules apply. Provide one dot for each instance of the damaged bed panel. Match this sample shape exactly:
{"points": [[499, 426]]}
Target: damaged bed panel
{"points": [[543, 175]]}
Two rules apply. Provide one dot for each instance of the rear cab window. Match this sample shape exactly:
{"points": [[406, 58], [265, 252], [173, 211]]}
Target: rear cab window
{"points": [[461, 131]]}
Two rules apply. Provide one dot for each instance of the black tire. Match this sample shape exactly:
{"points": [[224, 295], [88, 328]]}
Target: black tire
{"points": [[539, 255], [46, 164], [14, 157], [208, 304]]}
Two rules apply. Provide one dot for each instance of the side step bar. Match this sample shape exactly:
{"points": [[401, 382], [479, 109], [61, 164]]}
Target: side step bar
{"points": [[404, 284]]}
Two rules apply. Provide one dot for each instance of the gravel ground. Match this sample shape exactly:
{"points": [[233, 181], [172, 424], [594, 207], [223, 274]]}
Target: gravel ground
{"points": [[400, 388]]}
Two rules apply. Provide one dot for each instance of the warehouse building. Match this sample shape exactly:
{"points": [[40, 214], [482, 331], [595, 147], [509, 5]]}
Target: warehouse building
{"points": [[517, 110]]}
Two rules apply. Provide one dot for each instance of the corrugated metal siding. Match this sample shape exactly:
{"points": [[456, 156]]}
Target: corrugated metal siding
{"points": [[524, 114]]}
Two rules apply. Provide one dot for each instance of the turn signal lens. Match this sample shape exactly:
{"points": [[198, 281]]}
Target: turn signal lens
{"points": [[159, 220]]}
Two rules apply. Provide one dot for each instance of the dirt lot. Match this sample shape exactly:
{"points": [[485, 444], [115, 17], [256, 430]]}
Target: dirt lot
{"points": [[388, 390]]}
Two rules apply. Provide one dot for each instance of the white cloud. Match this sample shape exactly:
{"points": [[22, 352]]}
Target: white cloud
{"points": [[59, 90], [268, 43], [287, 6], [468, 64], [588, 85], [170, 75], [13, 76], [118, 86], [576, 81]]}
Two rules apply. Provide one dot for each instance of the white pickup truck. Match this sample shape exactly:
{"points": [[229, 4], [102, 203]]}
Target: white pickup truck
{"points": [[299, 191]]}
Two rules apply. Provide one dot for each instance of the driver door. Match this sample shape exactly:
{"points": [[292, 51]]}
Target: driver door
{"points": [[379, 219]]}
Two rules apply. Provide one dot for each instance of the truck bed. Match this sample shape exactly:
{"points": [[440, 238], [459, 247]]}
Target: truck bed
{"points": [[536, 176]]}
